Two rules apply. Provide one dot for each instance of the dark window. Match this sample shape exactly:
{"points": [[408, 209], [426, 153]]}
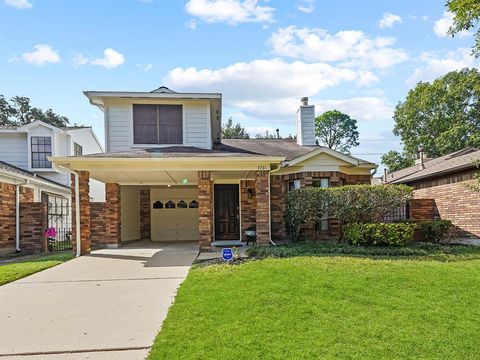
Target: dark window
{"points": [[158, 205], [193, 204], [322, 182], [182, 204], [170, 205], [157, 124], [41, 148], [294, 185], [77, 149]]}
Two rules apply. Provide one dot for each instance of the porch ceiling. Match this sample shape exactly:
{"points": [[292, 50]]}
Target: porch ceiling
{"points": [[166, 171]]}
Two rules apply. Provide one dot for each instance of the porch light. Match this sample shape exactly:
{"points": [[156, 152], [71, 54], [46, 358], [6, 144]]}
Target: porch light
{"points": [[185, 181]]}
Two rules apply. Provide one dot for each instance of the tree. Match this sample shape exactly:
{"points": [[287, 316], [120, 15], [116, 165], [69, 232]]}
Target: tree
{"points": [[466, 16], [394, 161], [18, 111], [230, 131], [443, 116], [337, 130]]}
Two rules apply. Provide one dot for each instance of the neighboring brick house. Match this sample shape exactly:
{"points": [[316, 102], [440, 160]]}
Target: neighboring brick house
{"points": [[445, 180], [170, 177], [23, 214]]}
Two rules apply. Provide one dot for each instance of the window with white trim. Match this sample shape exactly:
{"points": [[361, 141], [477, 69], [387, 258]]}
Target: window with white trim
{"points": [[77, 149], [294, 185], [41, 148], [321, 182]]}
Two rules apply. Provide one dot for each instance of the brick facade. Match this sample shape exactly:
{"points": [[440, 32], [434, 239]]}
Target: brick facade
{"points": [[84, 188], [97, 224], [454, 201], [33, 222], [248, 205], [279, 187], [113, 215], [205, 209], [145, 214], [263, 207]]}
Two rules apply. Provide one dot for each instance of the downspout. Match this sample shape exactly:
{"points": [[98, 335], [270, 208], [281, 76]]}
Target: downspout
{"points": [[17, 215], [77, 209]]}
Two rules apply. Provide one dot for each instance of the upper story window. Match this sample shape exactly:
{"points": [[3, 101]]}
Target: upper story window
{"points": [[322, 182], [77, 149], [157, 124], [41, 148]]}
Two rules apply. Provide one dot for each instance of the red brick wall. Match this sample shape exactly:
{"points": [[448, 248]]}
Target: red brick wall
{"points": [[145, 214], [263, 207], [84, 188], [97, 224], [205, 209], [112, 214], [33, 222], [454, 201], [26, 194], [248, 204], [278, 188], [7, 217]]}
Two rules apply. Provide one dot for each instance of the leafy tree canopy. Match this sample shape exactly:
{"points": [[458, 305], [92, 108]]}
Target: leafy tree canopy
{"points": [[336, 130], [443, 116], [394, 161], [230, 131], [18, 111], [466, 16]]}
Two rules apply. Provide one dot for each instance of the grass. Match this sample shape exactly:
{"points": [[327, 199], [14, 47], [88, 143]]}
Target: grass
{"points": [[14, 271], [415, 250], [325, 307]]}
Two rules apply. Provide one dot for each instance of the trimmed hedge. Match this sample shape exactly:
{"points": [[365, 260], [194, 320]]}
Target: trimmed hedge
{"points": [[436, 230], [397, 234]]}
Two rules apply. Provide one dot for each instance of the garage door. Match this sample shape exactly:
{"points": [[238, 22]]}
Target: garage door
{"points": [[174, 214]]}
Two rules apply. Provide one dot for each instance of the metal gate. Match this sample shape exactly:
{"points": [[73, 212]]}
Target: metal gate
{"points": [[59, 217]]}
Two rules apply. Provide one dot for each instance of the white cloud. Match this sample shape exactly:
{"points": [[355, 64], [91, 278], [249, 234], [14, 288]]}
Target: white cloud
{"points": [[231, 12], [435, 64], [306, 6], [389, 20], [192, 24], [111, 59], [43, 54], [79, 60], [441, 26], [266, 89], [351, 47], [259, 130], [359, 108], [19, 4], [146, 67]]}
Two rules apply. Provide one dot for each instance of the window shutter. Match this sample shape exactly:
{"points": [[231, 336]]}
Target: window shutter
{"points": [[170, 124], [145, 129]]}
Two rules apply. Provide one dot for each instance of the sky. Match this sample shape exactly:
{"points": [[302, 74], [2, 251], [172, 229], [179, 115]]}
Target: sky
{"points": [[359, 57]]}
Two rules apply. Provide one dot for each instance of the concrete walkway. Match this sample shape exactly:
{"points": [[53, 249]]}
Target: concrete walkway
{"points": [[107, 305]]}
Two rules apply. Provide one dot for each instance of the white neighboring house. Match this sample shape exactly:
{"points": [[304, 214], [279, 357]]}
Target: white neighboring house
{"points": [[28, 147]]}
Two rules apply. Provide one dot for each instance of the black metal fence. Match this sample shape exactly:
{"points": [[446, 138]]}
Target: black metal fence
{"points": [[59, 217], [402, 213]]}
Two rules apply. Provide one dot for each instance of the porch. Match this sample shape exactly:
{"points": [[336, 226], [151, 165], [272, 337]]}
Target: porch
{"points": [[174, 206]]}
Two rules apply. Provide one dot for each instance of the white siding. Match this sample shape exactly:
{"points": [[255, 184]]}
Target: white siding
{"points": [[119, 124], [119, 127], [13, 149], [306, 125], [130, 214], [197, 126]]}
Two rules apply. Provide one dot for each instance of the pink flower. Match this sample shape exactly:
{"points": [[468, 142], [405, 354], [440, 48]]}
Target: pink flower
{"points": [[51, 232]]}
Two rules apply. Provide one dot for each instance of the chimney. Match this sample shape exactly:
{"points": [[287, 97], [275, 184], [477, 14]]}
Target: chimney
{"points": [[306, 124], [385, 173], [421, 160]]}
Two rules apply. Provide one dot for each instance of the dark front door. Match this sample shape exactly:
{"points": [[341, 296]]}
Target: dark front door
{"points": [[227, 219]]}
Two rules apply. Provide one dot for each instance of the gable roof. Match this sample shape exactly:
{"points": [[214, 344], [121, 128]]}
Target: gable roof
{"points": [[9, 168], [456, 161]]}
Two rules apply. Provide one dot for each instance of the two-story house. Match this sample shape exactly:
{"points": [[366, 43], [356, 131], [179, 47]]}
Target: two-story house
{"points": [[170, 177]]}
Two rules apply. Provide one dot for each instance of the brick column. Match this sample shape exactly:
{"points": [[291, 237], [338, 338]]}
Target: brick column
{"points": [[145, 214], [262, 195], [112, 215], [205, 209], [83, 177]]}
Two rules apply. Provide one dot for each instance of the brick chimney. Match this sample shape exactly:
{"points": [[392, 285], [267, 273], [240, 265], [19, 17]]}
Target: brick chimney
{"points": [[306, 124]]}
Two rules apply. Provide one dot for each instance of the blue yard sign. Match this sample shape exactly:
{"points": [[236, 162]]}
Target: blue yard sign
{"points": [[227, 254]]}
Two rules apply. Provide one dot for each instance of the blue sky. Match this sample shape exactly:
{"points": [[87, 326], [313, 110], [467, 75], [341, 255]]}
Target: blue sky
{"points": [[360, 57]]}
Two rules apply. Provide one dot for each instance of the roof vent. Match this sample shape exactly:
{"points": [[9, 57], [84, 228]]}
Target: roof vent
{"points": [[163, 90]]}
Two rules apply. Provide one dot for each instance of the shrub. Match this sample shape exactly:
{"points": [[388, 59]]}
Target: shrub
{"points": [[350, 204], [398, 234], [436, 230]]}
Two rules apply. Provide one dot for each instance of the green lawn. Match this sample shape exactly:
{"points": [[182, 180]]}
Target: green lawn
{"points": [[326, 307], [14, 271]]}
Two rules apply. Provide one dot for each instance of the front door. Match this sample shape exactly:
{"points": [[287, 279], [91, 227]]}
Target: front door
{"points": [[227, 216]]}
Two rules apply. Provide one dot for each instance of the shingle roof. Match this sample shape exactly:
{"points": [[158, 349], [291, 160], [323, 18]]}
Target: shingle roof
{"points": [[12, 168], [459, 160]]}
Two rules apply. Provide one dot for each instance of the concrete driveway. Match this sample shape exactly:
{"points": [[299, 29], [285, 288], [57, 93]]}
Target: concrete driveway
{"points": [[107, 305]]}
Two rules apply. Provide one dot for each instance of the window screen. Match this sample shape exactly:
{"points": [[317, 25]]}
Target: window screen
{"points": [[157, 124], [41, 148]]}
